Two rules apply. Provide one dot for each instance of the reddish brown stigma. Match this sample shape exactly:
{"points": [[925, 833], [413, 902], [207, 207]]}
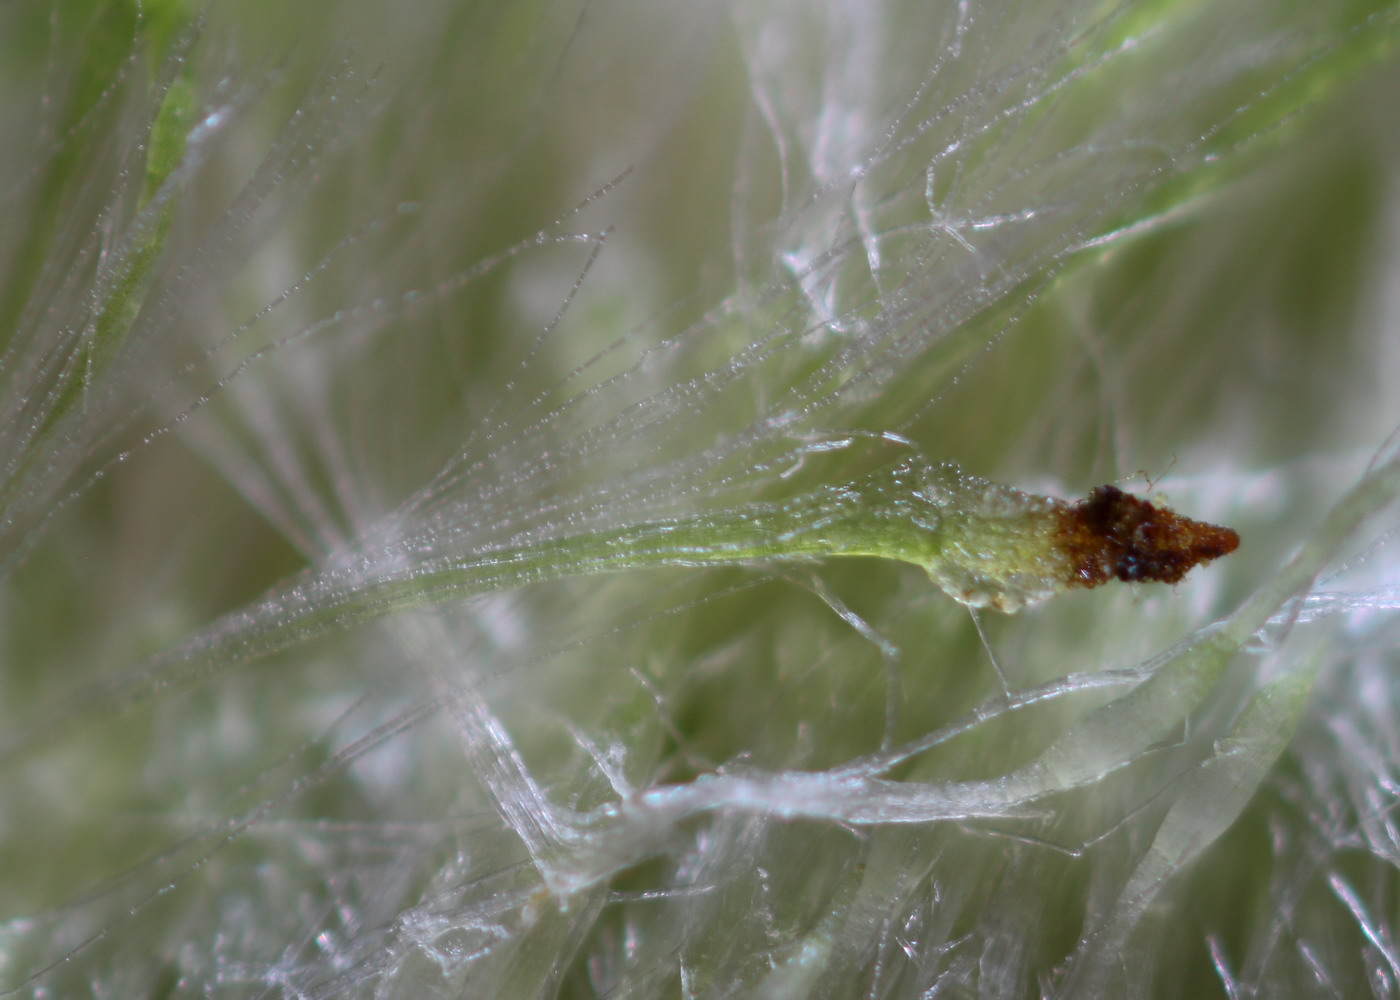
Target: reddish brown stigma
{"points": [[1111, 534]]}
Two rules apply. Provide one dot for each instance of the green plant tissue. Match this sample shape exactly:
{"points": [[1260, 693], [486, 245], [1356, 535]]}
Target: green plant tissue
{"points": [[574, 499]]}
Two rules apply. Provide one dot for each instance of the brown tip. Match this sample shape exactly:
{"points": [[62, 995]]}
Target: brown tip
{"points": [[1112, 534]]}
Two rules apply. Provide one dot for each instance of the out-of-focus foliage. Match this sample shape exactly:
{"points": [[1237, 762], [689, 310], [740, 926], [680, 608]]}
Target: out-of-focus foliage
{"points": [[303, 308]]}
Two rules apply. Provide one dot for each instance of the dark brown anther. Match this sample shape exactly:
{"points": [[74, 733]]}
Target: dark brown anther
{"points": [[1111, 534]]}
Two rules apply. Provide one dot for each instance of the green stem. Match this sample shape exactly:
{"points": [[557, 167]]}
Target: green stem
{"points": [[984, 544]]}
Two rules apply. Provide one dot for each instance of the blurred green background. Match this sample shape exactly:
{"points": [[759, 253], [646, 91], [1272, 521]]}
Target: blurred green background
{"points": [[407, 285]]}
